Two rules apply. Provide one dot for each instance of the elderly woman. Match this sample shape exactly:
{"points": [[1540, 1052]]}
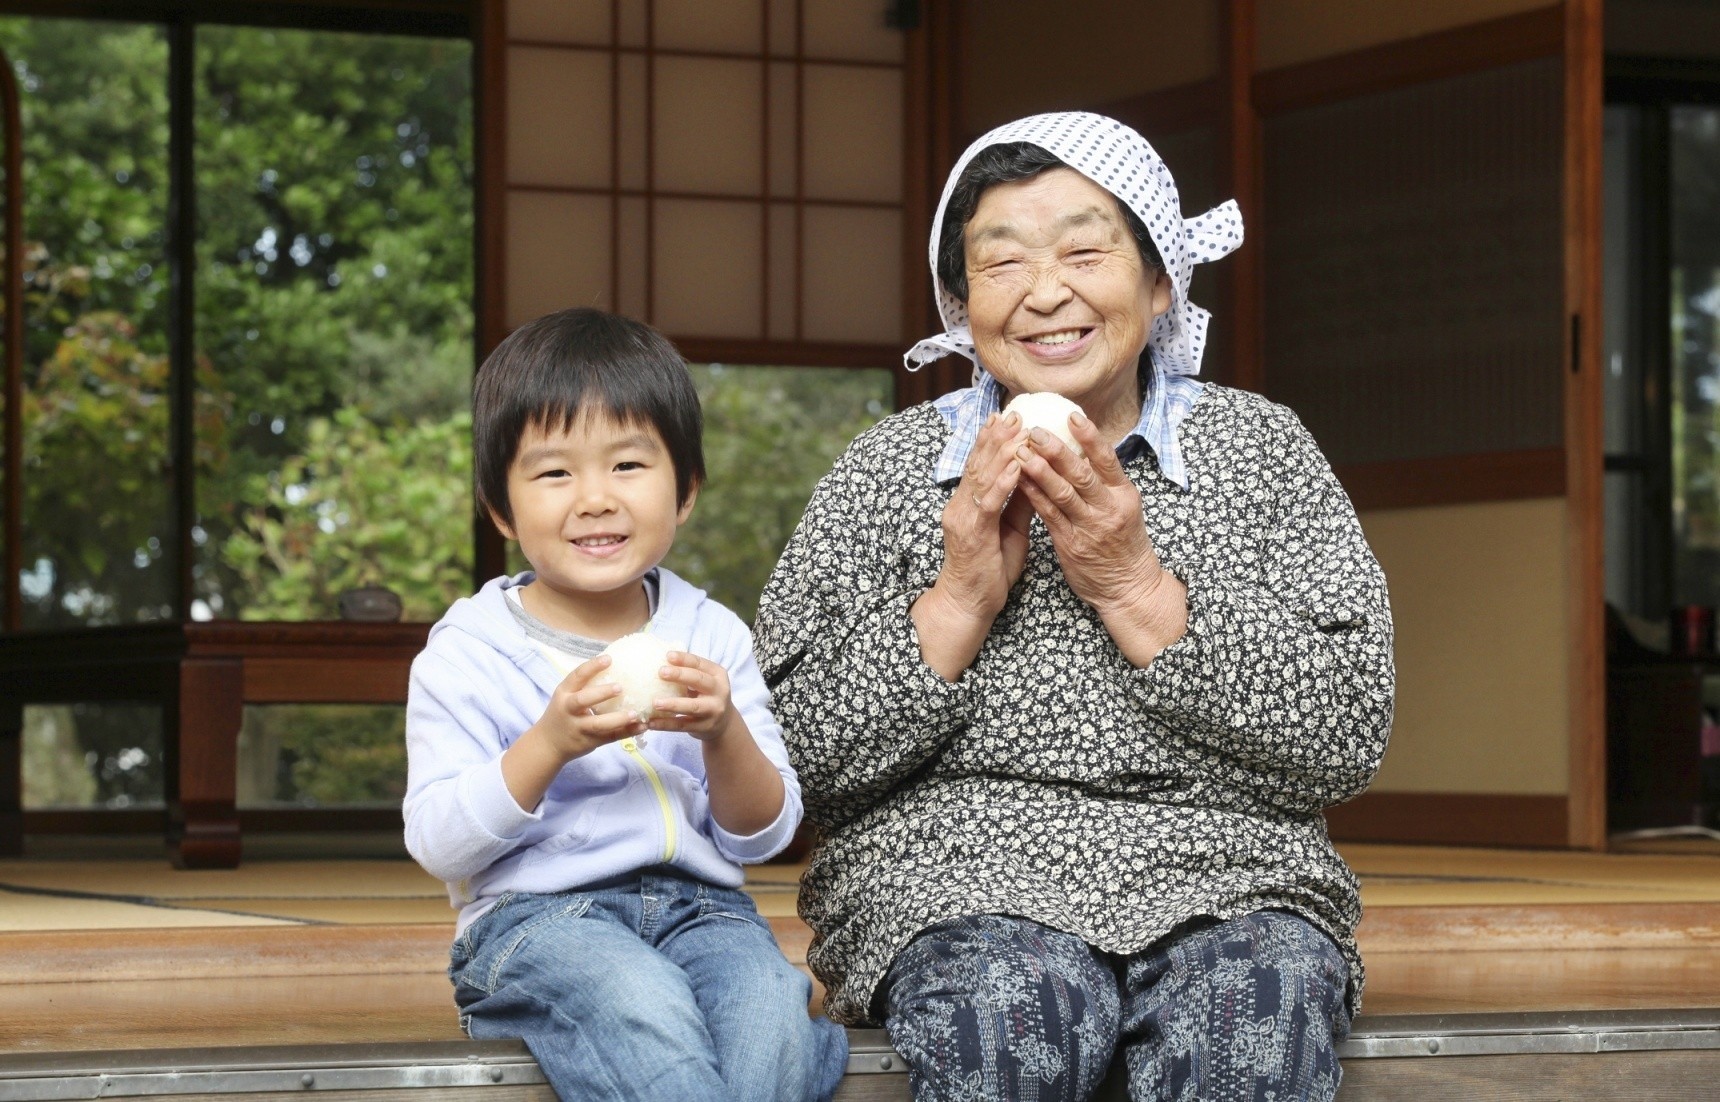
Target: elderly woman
{"points": [[1066, 719]]}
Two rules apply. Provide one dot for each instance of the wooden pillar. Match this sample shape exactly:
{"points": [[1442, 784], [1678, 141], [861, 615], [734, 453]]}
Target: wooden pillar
{"points": [[202, 751], [933, 79], [490, 133], [1243, 179], [1585, 531]]}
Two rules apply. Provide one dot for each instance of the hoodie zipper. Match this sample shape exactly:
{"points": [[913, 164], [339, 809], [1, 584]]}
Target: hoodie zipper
{"points": [[632, 747]]}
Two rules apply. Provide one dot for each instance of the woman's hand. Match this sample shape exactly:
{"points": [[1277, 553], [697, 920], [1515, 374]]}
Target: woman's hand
{"points": [[1093, 513], [985, 548]]}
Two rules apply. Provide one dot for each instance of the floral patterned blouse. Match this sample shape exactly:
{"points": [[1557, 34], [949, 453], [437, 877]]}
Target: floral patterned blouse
{"points": [[1055, 781]]}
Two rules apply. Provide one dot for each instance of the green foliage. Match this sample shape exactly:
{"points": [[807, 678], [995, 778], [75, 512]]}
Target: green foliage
{"points": [[321, 755], [333, 338], [363, 504], [770, 434]]}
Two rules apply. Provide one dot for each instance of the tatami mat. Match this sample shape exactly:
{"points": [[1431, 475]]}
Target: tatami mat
{"points": [[71, 894]]}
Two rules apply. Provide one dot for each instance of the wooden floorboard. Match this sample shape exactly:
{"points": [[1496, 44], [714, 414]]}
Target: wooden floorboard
{"points": [[1465, 932]]}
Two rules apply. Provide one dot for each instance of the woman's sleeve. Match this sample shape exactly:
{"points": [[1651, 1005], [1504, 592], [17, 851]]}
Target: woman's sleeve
{"points": [[1290, 678], [460, 816], [859, 707]]}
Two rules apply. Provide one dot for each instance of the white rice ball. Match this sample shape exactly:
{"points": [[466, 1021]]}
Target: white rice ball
{"points": [[1049, 411], [634, 662]]}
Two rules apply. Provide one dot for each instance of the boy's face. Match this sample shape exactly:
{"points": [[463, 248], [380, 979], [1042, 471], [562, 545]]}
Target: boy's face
{"points": [[594, 510]]}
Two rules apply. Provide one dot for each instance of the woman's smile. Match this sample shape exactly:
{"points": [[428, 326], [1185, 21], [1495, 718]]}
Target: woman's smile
{"points": [[1060, 345]]}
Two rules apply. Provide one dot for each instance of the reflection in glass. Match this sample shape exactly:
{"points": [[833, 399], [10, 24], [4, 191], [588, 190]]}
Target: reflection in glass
{"points": [[92, 755], [334, 319], [322, 755], [1695, 383], [98, 512]]}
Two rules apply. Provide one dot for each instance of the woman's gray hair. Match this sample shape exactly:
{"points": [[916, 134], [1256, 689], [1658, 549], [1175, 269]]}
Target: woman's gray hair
{"points": [[1007, 164]]}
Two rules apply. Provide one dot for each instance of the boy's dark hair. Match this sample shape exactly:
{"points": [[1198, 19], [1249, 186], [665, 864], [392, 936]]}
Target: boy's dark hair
{"points": [[1007, 164], [550, 371]]}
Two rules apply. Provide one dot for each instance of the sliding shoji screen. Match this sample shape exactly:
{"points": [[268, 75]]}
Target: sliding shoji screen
{"points": [[731, 172]]}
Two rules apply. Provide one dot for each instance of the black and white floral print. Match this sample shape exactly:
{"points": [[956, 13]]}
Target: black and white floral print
{"points": [[1054, 780]]}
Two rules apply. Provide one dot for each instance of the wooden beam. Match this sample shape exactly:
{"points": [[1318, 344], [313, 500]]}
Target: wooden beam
{"points": [[1454, 479], [1450, 819], [1173, 110], [787, 353], [1241, 172], [1585, 445], [1506, 41]]}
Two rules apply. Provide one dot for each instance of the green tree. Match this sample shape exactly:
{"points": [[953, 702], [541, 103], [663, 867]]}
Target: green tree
{"points": [[363, 505], [770, 434]]}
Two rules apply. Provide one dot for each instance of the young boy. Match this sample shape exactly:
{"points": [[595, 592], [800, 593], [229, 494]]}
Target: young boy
{"points": [[596, 872]]}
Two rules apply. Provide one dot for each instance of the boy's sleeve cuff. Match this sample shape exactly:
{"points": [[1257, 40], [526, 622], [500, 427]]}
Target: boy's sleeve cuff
{"points": [[487, 800], [750, 849]]}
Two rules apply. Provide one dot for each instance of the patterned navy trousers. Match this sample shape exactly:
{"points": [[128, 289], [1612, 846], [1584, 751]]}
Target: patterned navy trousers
{"points": [[996, 1007]]}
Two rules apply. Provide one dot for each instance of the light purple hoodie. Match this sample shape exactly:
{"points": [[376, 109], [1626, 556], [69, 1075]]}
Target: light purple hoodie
{"points": [[481, 682]]}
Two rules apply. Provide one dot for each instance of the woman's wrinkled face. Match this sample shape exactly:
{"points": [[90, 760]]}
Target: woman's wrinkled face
{"points": [[1058, 298]]}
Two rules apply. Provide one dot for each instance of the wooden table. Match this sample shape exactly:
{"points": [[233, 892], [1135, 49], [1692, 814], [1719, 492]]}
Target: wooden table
{"points": [[202, 675]]}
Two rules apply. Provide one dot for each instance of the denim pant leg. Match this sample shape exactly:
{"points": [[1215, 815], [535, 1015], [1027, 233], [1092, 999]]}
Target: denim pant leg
{"points": [[755, 1003], [607, 1016], [1240, 1011], [996, 1007]]}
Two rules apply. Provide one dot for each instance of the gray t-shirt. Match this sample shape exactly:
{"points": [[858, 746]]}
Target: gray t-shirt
{"points": [[561, 646]]}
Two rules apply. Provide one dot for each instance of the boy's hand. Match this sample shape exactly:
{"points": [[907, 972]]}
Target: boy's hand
{"points": [[568, 723], [705, 710]]}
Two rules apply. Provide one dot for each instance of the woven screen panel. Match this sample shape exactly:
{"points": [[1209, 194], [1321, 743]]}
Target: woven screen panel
{"points": [[1192, 156], [1414, 267]]}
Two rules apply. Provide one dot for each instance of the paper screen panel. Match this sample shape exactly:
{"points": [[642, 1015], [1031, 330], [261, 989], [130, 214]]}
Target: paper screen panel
{"points": [[585, 22], [732, 25], [849, 29], [782, 27], [784, 126], [853, 275], [709, 130], [632, 29], [558, 253], [708, 267], [558, 117], [632, 251], [631, 133], [1414, 267], [783, 249], [1192, 156], [853, 133]]}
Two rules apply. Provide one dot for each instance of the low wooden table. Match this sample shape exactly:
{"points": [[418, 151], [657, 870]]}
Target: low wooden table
{"points": [[202, 675]]}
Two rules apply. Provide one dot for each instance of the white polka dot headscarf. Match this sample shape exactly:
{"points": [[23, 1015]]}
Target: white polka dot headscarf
{"points": [[1120, 161]]}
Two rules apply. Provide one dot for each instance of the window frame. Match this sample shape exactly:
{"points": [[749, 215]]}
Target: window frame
{"points": [[179, 20]]}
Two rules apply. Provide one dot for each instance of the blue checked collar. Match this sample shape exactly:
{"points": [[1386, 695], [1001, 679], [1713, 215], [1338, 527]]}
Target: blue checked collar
{"points": [[1168, 400]]}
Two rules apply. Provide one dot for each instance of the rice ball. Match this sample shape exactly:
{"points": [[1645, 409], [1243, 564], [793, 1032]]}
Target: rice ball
{"points": [[1049, 411], [634, 662]]}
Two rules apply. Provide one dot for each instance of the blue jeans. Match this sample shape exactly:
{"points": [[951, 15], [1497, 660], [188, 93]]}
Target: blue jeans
{"points": [[660, 987], [997, 1007]]}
